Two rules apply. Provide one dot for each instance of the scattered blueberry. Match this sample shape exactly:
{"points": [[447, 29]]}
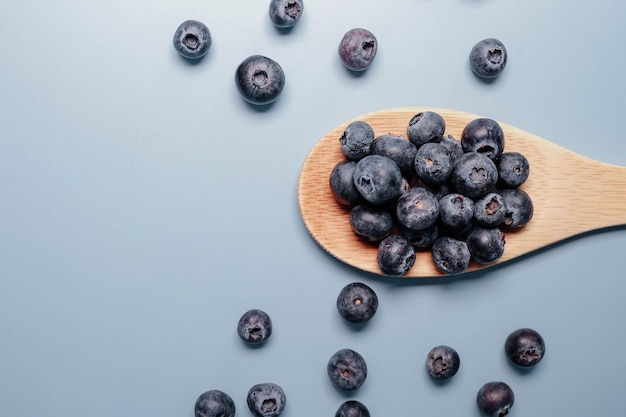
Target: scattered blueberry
{"points": [[513, 169], [485, 136], [357, 302], [450, 255], [524, 347], [214, 403], [433, 163], [495, 399], [372, 223], [259, 80], [417, 209], [342, 184], [396, 255], [442, 362], [519, 207], [357, 49], [356, 140], [488, 58], [285, 13], [490, 210], [485, 244], [456, 212], [427, 126], [266, 400], [397, 148], [378, 179], [347, 369], [352, 408], [254, 326], [192, 39], [474, 175]]}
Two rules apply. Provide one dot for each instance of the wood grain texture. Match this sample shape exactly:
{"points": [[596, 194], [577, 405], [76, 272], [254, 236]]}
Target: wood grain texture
{"points": [[571, 194]]}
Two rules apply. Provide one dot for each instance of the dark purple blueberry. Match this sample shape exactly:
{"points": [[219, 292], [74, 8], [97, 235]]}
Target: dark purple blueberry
{"points": [[519, 207], [474, 175], [214, 403], [285, 13], [453, 146], [427, 126], [347, 369], [259, 80], [356, 140], [266, 400], [513, 169], [485, 136], [433, 163], [254, 326], [495, 399], [488, 58], [192, 39], [490, 210], [486, 245], [524, 347], [352, 408], [372, 223], [396, 255], [456, 212], [442, 362], [417, 209], [378, 179], [423, 238], [357, 49], [397, 148], [342, 184], [357, 302], [450, 255]]}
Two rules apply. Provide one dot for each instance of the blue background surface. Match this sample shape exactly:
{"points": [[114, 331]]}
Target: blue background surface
{"points": [[144, 206]]}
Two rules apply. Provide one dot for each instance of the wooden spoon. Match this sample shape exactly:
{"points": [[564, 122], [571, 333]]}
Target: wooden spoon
{"points": [[571, 194]]}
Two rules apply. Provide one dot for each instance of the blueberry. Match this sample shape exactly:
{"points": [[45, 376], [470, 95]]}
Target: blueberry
{"points": [[357, 302], [266, 400], [254, 326], [417, 209], [442, 362], [524, 347], [519, 207], [488, 58], [342, 184], [259, 79], [513, 169], [485, 244], [456, 212], [214, 403], [396, 255], [423, 238], [378, 179], [495, 399], [450, 255], [192, 39], [357, 49], [397, 148], [357, 140], [490, 210], [285, 13], [370, 222], [454, 147], [485, 136], [427, 126], [433, 163], [352, 408], [474, 175], [347, 369]]}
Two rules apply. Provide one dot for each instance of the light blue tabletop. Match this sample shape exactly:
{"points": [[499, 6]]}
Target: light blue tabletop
{"points": [[144, 206]]}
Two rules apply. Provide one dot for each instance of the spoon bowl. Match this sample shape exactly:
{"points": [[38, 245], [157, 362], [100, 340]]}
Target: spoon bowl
{"points": [[571, 194]]}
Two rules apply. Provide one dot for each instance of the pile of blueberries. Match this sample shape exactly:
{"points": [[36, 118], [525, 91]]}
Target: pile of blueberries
{"points": [[357, 303], [428, 191]]}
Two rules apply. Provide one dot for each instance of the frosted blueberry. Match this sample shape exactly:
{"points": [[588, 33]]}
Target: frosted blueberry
{"points": [[259, 80], [285, 13], [488, 58], [192, 39], [357, 49]]}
